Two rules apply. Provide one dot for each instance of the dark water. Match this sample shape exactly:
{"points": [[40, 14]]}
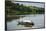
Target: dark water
{"points": [[37, 19]]}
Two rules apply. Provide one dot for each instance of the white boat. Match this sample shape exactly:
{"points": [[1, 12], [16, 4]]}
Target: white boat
{"points": [[26, 23]]}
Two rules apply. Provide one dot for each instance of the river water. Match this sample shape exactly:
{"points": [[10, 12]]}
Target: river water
{"points": [[37, 19]]}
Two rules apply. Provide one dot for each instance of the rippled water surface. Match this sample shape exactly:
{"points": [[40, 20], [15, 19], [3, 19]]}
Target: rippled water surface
{"points": [[37, 19]]}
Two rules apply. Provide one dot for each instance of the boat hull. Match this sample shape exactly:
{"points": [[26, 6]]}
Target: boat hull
{"points": [[26, 24]]}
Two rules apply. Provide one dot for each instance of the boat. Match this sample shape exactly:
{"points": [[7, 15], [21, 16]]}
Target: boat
{"points": [[26, 23]]}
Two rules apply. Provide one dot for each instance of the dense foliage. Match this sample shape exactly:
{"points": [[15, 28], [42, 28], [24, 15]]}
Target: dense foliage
{"points": [[16, 8]]}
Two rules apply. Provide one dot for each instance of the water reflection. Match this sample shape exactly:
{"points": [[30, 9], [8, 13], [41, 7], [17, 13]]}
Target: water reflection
{"points": [[38, 20]]}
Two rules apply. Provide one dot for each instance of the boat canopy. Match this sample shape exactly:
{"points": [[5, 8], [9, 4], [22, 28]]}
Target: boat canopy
{"points": [[27, 21]]}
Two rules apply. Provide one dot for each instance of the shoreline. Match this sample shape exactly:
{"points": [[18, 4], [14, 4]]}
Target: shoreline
{"points": [[10, 17]]}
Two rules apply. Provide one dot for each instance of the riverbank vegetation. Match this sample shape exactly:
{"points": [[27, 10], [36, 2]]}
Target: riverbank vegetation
{"points": [[17, 9], [12, 9]]}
